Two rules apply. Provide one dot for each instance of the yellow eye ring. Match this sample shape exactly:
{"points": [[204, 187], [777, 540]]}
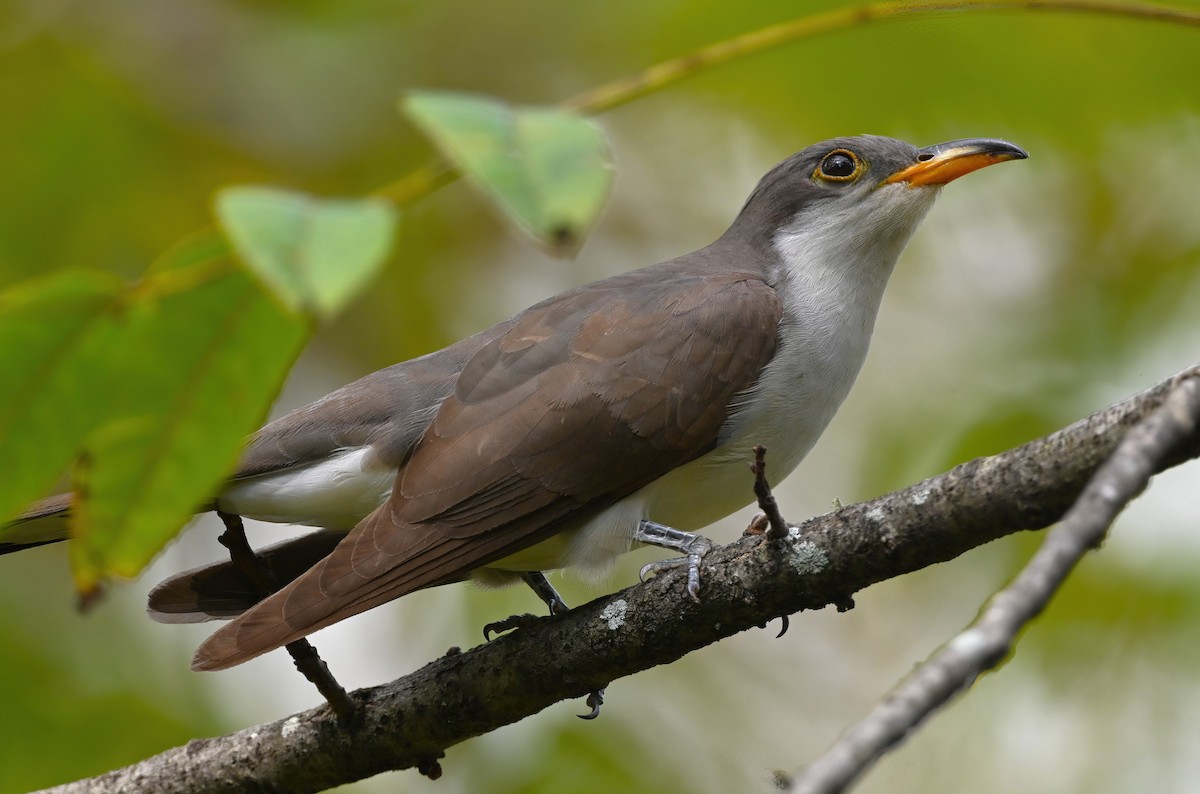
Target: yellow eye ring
{"points": [[840, 165]]}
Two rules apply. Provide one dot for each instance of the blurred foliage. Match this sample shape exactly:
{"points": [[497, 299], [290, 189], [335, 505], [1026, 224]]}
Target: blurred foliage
{"points": [[1033, 295], [52, 330], [39, 733], [314, 255], [548, 168]]}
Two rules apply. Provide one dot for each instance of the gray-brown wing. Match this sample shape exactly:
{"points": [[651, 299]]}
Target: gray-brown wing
{"points": [[42, 522], [583, 400], [388, 410], [219, 591]]}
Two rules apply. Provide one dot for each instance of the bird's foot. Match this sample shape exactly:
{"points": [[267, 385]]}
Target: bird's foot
{"points": [[595, 700], [508, 624], [538, 582], [693, 547], [783, 626]]}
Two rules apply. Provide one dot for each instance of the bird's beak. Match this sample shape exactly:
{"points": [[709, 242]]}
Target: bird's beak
{"points": [[939, 164]]}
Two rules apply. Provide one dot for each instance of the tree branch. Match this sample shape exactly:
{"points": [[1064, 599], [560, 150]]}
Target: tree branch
{"points": [[411, 721], [991, 637]]}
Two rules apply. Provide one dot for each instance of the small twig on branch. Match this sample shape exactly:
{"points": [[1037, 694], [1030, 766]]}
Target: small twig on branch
{"points": [[812, 25], [990, 639], [305, 656], [467, 693], [766, 500]]}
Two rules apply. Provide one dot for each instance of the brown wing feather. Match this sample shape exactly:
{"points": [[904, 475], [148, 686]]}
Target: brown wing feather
{"points": [[388, 410], [583, 400], [218, 591]]}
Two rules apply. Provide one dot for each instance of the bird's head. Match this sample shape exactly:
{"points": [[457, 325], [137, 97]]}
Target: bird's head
{"points": [[857, 200]]}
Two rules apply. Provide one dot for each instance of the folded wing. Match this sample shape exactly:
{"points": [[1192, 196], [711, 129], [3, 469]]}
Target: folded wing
{"points": [[580, 402]]}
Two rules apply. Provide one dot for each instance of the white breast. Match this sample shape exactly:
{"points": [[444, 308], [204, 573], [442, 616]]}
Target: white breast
{"points": [[830, 277]]}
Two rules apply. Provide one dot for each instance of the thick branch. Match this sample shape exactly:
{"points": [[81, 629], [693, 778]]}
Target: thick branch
{"points": [[991, 637], [412, 720]]}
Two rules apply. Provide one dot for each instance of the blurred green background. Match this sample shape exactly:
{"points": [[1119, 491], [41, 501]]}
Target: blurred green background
{"points": [[1034, 294]]}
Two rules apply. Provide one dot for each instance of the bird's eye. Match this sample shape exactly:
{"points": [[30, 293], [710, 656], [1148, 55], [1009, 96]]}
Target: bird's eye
{"points": [[840, 165]]}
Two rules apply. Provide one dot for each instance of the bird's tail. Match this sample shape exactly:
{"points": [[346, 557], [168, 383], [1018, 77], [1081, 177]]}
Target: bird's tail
{"points": [[375, 563], [219, 591], [44, 522]]}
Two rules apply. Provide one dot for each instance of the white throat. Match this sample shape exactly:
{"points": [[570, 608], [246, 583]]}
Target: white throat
{"points": [[830, 274], [830, 278]]}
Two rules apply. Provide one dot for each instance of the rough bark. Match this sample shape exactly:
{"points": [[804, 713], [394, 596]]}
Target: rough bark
{"points": [[991, 637], [411, 721]]}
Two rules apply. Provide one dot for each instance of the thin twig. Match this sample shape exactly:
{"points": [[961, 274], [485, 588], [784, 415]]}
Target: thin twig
{"points": [[778, 528], [990, 639], [305, 656], [622, 91], [437, 174]]}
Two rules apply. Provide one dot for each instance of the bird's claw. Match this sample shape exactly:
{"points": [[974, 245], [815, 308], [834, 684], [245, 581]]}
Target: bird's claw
{"points": [[694, 556], [783, 627], [508, 624], [595, 700]]}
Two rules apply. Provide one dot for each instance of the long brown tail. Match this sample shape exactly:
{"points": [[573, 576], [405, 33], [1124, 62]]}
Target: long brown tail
{"points": [[219, 591], [44, 522]]}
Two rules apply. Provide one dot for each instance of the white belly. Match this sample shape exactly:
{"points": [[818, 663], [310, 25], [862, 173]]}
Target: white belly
{"points": [[335, 493], [831, 295], [830, 275], [794, 402]]}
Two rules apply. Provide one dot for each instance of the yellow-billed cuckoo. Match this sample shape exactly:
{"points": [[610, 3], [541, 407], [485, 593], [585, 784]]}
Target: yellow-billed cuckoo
{"points": [[613, 414]]}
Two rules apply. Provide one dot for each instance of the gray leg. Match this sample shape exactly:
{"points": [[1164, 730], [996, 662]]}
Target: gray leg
{"points": [[693, 546], [538, 582]]}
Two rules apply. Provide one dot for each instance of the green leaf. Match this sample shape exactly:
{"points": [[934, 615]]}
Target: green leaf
{"points": [[54, 336], [203, 366], [548, 169], [314, 254]]}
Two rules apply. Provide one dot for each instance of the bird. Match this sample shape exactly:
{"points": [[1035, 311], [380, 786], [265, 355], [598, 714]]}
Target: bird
{"points": [[612, 415]]}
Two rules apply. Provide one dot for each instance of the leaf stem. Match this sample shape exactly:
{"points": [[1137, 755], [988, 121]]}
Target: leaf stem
{"points": [[427, 179]]}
